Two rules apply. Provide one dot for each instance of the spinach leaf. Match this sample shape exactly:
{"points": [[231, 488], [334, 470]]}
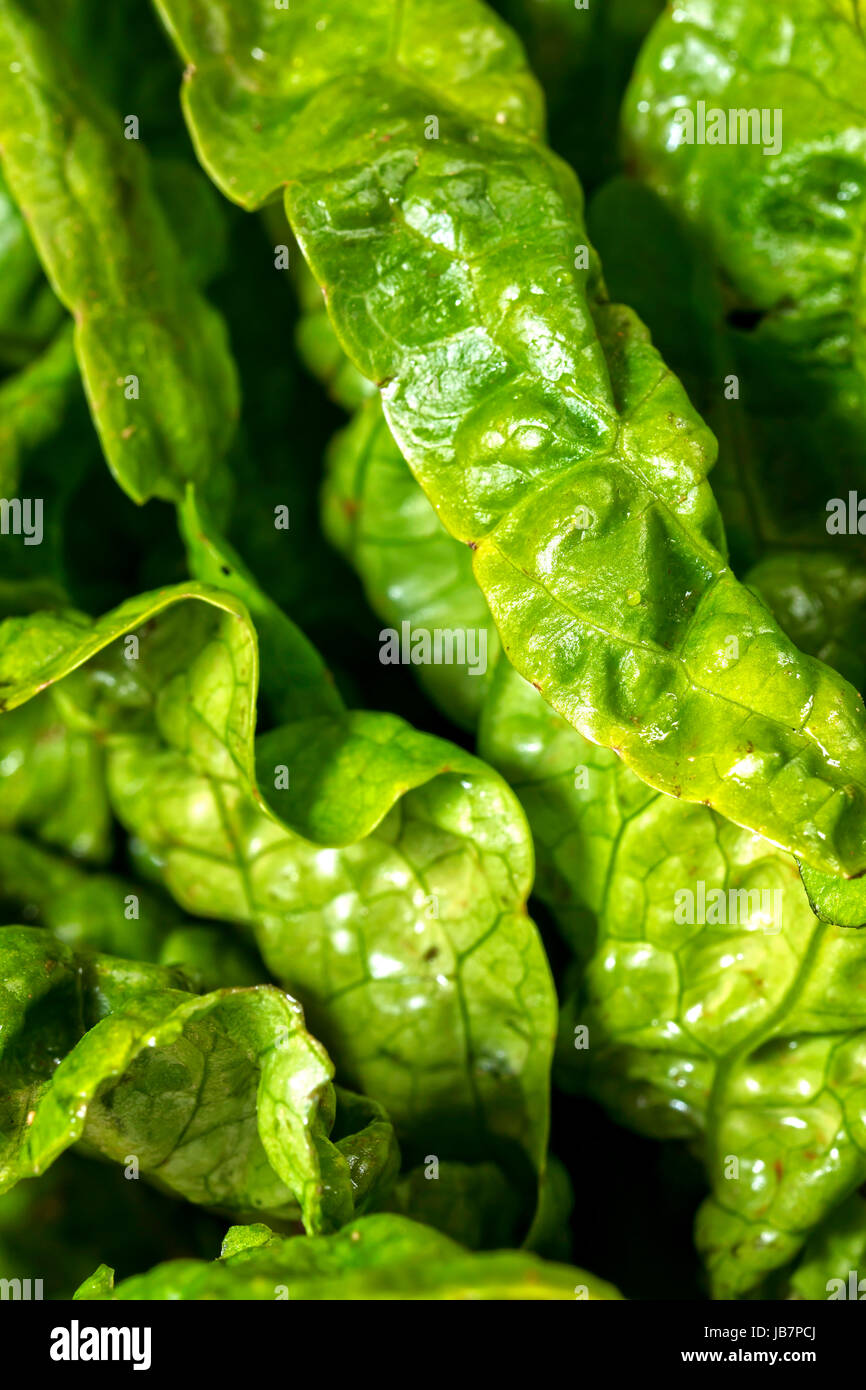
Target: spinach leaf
{"points": [[776, 206], [693, 1029], [736, 1026], [118, 916], [153, 354], [223, 1098], [412, 570], [382, 872], [53, 779], [777, 229], [29, 312], [195, 817], [378, 1257], [538, 418]]}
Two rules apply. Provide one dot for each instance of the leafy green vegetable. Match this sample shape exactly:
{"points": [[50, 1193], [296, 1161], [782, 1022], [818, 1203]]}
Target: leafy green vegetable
{"points": [[738, 1027], [680, 1018], [537, 417], [595, 829], [377, 1257], [697, 1030], [117, 1058], [780, 214], [219, 870], [780, 238], [29, 313], [382, 872], [153, 354], [53, 780], [376, 514]]}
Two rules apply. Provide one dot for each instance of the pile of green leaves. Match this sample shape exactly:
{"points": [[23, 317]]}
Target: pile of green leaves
{"points": [[328, 979]]}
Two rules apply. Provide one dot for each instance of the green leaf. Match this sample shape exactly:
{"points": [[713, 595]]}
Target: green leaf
{"points": [[473, 1203], [116, 916], [743, 1035], [779, 235], [100, 1284], [740, 1029], [153, 354], [832, 1255], [608, 845], [32, 404], [412, 570], [484, 74], [283, 646], [378, 1257], [525, 404], [29, 312], [52, 779], [385, 885], [834, 900], [819, 598], [223, 1099]]}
